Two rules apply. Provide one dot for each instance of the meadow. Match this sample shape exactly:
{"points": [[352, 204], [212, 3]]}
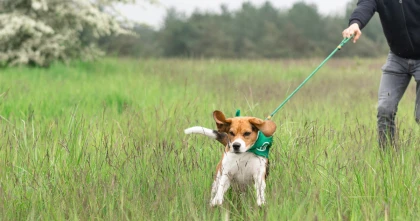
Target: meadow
{"points": [[104, 141]]}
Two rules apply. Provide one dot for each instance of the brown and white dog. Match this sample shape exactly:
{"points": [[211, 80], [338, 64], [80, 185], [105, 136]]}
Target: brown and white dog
{"points": [[238, 167]]}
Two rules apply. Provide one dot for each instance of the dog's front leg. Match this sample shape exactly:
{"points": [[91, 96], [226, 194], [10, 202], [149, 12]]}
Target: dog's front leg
{"points": [[260, 188], [220, 185]]}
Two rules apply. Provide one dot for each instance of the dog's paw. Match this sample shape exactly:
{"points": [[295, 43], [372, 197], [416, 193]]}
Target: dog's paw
{"points": [[216, 202], [260, 202]]}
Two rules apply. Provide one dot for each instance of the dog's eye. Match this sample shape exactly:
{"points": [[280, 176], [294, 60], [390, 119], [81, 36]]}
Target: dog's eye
{"points": [[247, 134], [231, 133]]}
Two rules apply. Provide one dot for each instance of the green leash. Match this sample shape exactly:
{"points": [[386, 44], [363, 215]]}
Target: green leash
{"points": [[262, 145], [345, 40]]}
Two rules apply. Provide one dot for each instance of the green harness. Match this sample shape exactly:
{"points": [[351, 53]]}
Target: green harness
{"points": [[262, 145]]}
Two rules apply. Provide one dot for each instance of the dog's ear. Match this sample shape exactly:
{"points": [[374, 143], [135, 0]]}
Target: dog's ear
{"points": [[267, 127], [222, 123]]}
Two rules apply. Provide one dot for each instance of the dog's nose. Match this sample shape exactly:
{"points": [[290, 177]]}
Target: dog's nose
{"points": [[236, 146]]}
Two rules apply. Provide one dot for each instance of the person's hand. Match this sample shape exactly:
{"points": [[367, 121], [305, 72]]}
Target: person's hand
{"points": [[352, 30]]}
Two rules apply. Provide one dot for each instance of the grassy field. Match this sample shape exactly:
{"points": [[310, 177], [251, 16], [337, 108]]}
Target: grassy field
{"points": [[104, 141]]}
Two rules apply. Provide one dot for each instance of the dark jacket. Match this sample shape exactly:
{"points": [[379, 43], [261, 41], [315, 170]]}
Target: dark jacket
{"points": [[400, 21]]}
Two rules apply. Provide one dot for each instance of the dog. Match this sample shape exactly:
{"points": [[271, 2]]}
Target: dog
{"points": [[244, 162]]}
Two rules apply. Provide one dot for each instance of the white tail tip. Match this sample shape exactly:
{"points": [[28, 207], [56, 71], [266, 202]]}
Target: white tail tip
{"points": [[201, 130]]}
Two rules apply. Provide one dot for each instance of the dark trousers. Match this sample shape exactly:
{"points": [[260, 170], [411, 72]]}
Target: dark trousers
{"points": [[396, 75]]}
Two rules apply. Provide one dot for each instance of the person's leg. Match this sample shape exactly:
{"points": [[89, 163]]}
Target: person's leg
{"points": [[416, 73], [394, 82]]}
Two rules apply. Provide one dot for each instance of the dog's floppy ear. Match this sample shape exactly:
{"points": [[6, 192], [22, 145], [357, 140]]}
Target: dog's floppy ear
{"points": [[222, 123], [267, 127]]}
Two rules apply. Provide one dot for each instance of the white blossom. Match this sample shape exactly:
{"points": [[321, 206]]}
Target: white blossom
{"points": [[39, 5], [39, 32]]}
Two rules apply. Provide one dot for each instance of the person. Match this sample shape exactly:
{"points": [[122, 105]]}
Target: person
{"points": [[400, 21]]}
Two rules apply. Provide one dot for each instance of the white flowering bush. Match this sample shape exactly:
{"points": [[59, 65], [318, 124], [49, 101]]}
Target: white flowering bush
{"points": [[38, 32]]}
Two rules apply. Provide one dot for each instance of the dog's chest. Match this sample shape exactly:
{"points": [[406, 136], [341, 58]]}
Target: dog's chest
{"points": [[243, 168]]}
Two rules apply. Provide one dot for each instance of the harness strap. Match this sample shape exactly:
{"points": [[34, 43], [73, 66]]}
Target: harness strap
{"points": [[262, 145]]}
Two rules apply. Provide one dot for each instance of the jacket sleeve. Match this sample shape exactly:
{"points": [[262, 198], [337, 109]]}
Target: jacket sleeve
{"points": [[363, 13]]}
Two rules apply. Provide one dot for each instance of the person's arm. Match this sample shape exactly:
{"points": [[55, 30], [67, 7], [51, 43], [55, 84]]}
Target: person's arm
{"points": [[363, 13], [359, 18]]}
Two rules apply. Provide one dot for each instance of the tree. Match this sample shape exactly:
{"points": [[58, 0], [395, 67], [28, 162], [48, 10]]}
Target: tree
{"points": [[142, 44], [308, 19], [175, 34], [38, 32], [209, 36], [252, 31]]}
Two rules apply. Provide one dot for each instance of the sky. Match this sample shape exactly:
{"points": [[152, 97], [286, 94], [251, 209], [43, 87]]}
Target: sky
{"points": [[153, 14]]}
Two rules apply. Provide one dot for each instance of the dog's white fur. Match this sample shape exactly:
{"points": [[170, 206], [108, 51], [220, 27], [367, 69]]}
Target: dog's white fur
{"points": [[201, 130], [236, 169], [240, 170]]}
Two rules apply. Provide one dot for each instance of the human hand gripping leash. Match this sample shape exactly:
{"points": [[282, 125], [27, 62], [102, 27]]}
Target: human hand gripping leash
{"points": [[343, 42]]}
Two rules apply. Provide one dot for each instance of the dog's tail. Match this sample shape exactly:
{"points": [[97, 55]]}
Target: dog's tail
{"points": [[202, 130], [221, 137]]}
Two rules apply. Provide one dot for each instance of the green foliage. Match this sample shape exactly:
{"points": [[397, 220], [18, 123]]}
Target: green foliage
{"points": [[104, 141], [139, 44], [39, 32], [253, 32]]}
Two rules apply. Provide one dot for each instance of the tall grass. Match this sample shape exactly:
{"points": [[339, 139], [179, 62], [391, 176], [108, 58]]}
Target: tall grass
{"points": [[104, 141]]}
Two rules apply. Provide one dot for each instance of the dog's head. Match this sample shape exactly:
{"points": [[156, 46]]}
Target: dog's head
{"points": [[242, 132]]}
